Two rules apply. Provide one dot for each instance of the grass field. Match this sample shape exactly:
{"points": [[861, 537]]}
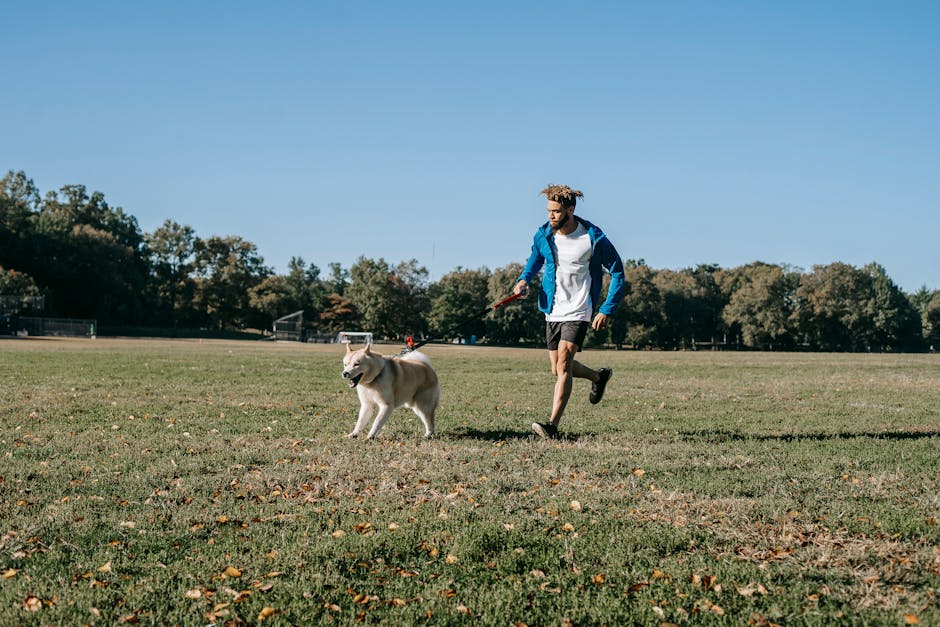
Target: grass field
{"points": [[187, 482]]}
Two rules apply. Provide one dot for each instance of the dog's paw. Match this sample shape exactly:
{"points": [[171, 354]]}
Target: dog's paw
{"points": [[354, 434]]}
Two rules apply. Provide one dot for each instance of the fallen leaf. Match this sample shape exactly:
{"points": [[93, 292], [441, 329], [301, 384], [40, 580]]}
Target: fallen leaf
{"points": [[106, 568], [266, 612], [10, 573], [32, 604], [231, 571], [638, 472], [451, 558], [339, 533], [575, 506], [193, 594], [599, 578], [911, 619]]}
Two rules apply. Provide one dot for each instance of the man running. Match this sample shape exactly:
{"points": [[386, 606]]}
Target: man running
{"points": [[575, 253]]}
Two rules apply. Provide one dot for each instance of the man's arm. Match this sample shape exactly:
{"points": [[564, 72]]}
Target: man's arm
{"points": [[610, 261], [532, 267]]}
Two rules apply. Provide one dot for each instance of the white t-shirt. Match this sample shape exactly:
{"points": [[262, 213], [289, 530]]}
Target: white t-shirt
{"points": [[572, 277]]}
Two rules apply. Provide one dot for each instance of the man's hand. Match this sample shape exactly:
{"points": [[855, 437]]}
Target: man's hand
{"points": [[521, 288], [600, 322]]}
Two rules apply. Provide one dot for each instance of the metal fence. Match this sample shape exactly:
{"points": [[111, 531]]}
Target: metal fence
{"points": [[70, 327]]}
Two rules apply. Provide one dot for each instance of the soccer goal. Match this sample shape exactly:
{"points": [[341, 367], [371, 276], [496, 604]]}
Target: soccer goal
{"points": [[347, 337], [290, 327]]}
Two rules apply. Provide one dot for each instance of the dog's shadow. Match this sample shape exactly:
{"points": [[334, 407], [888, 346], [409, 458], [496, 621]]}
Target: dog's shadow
{"points": [[498, 435]]}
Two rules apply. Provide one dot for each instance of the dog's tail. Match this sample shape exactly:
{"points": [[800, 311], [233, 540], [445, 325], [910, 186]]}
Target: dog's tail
{"points": [[417, 356]]}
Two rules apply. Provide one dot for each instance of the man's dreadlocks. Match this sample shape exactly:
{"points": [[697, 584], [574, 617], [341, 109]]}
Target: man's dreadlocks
{"points": [[562, 194]]}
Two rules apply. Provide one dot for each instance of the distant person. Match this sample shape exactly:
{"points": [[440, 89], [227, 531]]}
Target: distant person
{"points": [[575, 253]]}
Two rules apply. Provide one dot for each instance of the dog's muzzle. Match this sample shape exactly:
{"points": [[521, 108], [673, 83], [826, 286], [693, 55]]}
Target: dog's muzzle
{"points": [[353, 381]]}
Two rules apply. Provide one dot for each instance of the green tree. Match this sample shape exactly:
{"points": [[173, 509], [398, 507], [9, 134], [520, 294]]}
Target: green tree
{"points": [[19, 200], [931, 321], [519, 321], [455, 298], [304, 287], [227, 269], [677, 290], [894, 320], [339, 314], [927, 304], [760, 298], [830, 310], [18, 292], [171, 251], [392, 302], [411, 293], [338, 280], [271, 298], [639, 320], [373, 294], [90, 256]]}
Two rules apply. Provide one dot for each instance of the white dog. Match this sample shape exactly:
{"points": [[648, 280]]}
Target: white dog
{"points": [[386, 383]]}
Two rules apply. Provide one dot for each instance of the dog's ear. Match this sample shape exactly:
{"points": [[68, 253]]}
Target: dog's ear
{"points": [[368, 348], [348, 347]]}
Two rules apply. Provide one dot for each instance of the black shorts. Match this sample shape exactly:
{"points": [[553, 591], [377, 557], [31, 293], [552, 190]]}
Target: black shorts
{"points": [[573, 332]]}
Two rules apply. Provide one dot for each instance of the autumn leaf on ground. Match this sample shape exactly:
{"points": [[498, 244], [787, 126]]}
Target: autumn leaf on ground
{"points": [[231, 571], [10, 573], [193, 594], [266, 612], [752, 589], [32, 604]]}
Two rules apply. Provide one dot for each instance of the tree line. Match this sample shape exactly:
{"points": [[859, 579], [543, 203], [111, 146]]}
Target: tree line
{"points": [[91, 260]]}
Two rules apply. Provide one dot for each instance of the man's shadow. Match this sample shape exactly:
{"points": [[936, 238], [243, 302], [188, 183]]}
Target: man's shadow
{"points": [[498, 435]]}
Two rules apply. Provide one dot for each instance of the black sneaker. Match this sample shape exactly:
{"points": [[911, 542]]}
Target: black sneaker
{"points": [[545, 430], [597, 389]]}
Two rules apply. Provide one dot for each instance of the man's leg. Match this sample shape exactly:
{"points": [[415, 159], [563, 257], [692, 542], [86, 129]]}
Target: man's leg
{"points": [[565, 367]]}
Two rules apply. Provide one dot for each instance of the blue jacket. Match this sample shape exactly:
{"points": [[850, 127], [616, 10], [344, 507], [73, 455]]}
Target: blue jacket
{"points": [[603, 257]]}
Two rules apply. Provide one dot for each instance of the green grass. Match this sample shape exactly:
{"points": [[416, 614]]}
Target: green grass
{"points": [[187, 482]]}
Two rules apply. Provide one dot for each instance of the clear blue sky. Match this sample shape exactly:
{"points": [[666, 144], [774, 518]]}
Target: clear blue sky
{"points": [[701, 132]]}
